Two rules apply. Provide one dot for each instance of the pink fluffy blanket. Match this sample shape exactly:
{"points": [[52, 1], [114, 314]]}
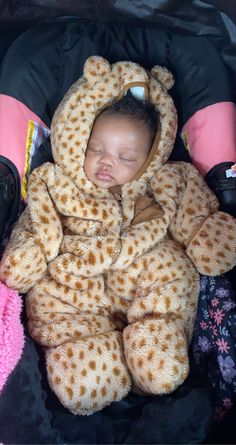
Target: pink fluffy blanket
{"points": [[11, 332]]}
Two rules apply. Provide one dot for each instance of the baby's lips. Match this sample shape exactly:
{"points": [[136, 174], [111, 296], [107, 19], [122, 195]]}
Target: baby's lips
{"points": [[103, 175]]}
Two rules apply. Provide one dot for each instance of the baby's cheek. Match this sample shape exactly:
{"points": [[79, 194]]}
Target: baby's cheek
{"points": [[88, 167], [126, 173]]}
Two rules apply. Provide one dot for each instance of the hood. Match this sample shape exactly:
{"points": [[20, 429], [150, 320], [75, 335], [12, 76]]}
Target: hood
{"points": [[100, 85]]}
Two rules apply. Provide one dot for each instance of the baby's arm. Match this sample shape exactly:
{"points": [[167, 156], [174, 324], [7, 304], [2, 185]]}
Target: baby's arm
{"points": [[209, 236], [89, 245], [36, 237], [84, 256], [137, 240], [23, 263]]}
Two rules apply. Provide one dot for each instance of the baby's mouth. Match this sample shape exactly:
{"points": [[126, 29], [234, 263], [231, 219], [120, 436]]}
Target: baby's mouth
{"points": [[103, 175]]}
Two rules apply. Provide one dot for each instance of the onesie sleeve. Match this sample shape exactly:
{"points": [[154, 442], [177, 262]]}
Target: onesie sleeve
{"points": [[212, 247], [36, 238], [207, 235]]}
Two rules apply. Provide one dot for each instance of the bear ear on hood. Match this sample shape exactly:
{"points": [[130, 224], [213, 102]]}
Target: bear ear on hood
{"points": [[164, 76], [95, 68]]}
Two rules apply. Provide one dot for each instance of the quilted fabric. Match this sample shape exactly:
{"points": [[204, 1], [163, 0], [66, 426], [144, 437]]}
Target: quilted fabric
{"points": [[113, 302]]}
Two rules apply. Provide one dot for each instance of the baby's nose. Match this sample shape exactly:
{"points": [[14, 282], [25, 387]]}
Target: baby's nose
{"points": [[106, 159]]}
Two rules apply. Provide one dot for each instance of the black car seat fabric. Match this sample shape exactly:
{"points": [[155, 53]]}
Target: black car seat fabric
{"points": [[31, 414], [56, 51]]}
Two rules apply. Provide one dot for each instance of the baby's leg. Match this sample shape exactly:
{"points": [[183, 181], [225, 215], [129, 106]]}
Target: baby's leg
{"points": [[161, 318], [89, 373], [84, 351]]}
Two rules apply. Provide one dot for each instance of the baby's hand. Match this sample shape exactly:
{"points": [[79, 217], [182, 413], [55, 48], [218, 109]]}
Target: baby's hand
{"points": [[83, 256], [213, 247], [23, 266]]}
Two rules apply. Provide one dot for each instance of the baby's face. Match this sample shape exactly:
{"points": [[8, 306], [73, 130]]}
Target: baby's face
{"points": [[116, 150]]}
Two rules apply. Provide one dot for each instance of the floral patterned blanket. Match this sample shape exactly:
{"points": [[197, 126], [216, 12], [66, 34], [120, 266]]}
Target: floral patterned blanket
{"points": [[214, 345]]}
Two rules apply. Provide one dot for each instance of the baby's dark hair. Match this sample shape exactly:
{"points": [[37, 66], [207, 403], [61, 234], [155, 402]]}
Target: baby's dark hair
{"points": [[135, 110]]}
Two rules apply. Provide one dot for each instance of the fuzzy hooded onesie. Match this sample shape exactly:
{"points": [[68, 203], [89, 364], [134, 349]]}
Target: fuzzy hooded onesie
{"points": [[112, 279]]}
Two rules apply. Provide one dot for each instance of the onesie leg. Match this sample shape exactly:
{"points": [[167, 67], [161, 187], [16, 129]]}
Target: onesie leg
{"points": [[84, 350], [161, 318], [157, 354], [90, 373]]}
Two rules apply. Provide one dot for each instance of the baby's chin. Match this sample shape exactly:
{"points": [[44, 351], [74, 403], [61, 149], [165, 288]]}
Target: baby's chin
{"points": [[105, 186]]}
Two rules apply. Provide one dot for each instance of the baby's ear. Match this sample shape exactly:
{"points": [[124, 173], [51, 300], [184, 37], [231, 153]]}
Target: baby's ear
{"points": [[95, 68], [163, 75]]}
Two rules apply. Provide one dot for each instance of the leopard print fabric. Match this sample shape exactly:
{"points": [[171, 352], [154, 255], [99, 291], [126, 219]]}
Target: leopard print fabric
{"points": [[113, 303]]}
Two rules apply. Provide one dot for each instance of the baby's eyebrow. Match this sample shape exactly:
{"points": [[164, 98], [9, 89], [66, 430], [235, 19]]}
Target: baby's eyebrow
{"points": [[95, 141], [129, 150]]}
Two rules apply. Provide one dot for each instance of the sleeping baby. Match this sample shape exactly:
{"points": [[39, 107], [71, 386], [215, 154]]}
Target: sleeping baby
{"points": [[112, 241]]}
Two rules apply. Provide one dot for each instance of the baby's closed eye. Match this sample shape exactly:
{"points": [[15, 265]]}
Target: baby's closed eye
{"points": [[127, 159], [94, 149]]}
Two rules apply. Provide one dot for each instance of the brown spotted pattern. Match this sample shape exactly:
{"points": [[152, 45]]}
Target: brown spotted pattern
{"points": [[89, 373], [114, 303]]}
